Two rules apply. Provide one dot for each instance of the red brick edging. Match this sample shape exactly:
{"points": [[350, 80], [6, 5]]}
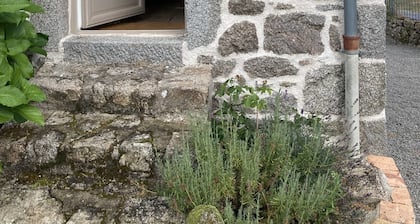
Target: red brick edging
{"points": [[400, 208]]}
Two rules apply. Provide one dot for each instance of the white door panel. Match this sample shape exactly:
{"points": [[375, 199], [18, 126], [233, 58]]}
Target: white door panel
{"points": [[97, 12]]}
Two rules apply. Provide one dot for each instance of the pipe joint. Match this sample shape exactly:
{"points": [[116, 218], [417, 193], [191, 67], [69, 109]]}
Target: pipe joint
{"points": [[351, 43]]}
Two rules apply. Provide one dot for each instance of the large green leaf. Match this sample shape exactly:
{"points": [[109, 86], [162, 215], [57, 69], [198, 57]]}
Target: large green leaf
{"points": [[5, 115], [3, 48], [5, 70], [13, 5], [38, 50], [2, 32], [23, 64], [30, 113], [40, 40], [11, 96], [17, 46], [34, 8], [32, 92], [14, 18], [24, 30]]}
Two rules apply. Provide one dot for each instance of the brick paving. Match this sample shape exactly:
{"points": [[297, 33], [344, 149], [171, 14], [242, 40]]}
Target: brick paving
{"points": [[399, 209]]}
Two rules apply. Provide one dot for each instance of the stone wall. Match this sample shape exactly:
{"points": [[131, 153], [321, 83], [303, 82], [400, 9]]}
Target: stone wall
{"points": [[295, 46], [404, 30]]}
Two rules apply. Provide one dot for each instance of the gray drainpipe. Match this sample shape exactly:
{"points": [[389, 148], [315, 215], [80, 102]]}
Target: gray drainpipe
{"points": [[351, 51]]}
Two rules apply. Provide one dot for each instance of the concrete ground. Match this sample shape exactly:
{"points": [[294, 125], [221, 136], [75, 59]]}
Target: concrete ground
{"points": [[403, 114]]}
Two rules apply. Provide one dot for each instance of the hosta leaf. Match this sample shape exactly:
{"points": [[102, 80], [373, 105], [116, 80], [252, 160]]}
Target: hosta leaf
{"points": [[30, 113], [2, 33], [3, 48], [13, 5], [38, 50], [5, 115], [34, 8], [17, 46], [24, 65], [14, 18], [32, 92], [40, 40], [24, 30], [11, 96], [5, 68], [17, 78]]}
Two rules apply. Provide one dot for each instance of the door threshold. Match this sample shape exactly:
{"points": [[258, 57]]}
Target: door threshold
{"points": [[176, 33]]}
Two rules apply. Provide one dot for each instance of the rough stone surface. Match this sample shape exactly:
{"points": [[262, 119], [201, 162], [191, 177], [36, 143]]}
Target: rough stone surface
{"points": [[329, 81], [145, 89], [335, 39], [404, 30], [372, 79], [286, 102], [296, 33], [372, 24], [53, 22], [373, 137], [84, 217], [26, 206], [92, 148], [268, 67], [223, 68], [122, 49], [137, 153], [320, 85], [202, 21], [44, 147], [284, 6], [246, 7], [330, 7], [240, 38], [153, 210], [205, 59]]}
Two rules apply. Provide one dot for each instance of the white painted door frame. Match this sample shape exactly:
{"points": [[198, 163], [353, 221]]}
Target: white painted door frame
{"points": [[97, 12], [75, 23]]}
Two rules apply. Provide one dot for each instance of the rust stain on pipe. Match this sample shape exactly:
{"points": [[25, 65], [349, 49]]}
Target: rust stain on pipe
{"points": [[351, 43]]}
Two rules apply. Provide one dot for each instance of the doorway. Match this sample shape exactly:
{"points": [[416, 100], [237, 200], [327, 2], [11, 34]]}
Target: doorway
{"points": [[159, 15]]}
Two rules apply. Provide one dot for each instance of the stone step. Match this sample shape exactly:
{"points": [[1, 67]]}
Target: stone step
{"points": [[109, 145], [87, 168], [106, 129], [127, 49], [143, 89]]}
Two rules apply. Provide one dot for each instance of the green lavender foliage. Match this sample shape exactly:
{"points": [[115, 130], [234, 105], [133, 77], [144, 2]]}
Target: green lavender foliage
{"points": [[19, 40], [281, 172]]}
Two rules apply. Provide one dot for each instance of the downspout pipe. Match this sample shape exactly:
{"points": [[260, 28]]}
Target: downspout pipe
{"points": [[351, 47]]}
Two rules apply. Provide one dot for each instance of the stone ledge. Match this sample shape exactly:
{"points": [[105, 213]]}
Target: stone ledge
{"points": [[97, 49], [400, 208]]}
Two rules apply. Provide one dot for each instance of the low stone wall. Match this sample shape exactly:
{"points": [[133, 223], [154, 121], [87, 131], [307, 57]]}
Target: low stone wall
{"points": [[404, 30]]}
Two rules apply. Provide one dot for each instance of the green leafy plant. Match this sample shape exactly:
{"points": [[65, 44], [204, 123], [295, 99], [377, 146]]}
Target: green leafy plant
{"points": [[19, 40], [282, 172], [236, 101]]}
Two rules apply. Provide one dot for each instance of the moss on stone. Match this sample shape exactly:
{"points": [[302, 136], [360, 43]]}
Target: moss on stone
{"points": [[205, 214]]}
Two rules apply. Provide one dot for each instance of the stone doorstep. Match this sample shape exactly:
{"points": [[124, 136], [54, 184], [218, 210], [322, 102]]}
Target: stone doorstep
{"points": [[400, 208]]}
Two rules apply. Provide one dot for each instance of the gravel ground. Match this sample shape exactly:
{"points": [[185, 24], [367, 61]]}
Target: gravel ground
{"points": [[403, 114]]}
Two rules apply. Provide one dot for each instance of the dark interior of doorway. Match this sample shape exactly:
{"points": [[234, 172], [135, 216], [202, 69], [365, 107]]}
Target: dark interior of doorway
{"points": [[160, 15]]}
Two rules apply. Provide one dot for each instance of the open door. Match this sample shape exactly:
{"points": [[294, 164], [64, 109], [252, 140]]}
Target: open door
{"points": [[97, 12]]}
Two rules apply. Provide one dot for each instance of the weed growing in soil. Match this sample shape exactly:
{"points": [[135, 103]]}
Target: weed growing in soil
{"points": [[280, 172]]}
